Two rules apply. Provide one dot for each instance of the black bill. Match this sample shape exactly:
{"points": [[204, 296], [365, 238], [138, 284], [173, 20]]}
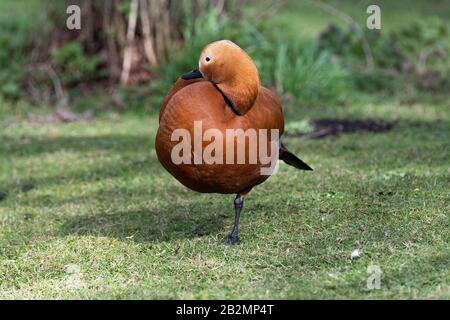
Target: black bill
{"points": [[194, 74]]}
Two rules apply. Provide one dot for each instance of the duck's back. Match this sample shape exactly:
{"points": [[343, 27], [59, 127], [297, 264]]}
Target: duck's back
{"points": [[193, 101]]}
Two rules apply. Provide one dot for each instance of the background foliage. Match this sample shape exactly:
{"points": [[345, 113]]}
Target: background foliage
{"points": [[327, 67]]}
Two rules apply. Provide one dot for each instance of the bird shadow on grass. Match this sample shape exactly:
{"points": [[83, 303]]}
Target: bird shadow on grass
{"points": [[146, 225], [171, 220]]}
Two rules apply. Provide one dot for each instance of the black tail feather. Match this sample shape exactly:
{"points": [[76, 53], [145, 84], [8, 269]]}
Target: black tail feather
{"points": [[292, 160]]}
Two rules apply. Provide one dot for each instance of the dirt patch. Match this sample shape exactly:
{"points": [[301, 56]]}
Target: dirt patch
{"points": [[335, 127]]}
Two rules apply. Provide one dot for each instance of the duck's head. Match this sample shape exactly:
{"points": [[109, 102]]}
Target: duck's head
{"points": [[232, 71]]}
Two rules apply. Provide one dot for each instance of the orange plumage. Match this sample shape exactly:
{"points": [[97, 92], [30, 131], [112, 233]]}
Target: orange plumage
{"points": [[225, 93]]}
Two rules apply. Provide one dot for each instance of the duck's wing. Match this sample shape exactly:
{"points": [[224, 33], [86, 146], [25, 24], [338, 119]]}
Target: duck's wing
{"points": [[179, 84], [267, 112]]}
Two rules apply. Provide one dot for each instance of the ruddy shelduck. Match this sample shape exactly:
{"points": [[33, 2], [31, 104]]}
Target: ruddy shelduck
{"points": [[222, 94]]}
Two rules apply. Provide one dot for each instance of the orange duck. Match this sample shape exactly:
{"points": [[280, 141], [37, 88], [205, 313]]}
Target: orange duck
{"points": [[223, 94]]}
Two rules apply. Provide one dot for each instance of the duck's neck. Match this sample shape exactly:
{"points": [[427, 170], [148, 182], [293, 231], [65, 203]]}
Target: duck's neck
{"points": [[241, 91]]}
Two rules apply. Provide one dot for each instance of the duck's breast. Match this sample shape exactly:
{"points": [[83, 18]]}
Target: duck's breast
{"points": [[202, 104]]}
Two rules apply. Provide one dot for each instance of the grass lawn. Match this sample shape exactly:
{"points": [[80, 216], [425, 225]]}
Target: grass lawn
{"points": [[104, 220]]}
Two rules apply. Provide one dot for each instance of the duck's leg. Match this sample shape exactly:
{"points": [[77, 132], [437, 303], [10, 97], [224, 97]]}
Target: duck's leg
{"points": [[238, 205]]}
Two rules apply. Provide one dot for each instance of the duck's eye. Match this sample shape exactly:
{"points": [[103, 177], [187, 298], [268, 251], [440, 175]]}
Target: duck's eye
{"points": [[207, 59]]}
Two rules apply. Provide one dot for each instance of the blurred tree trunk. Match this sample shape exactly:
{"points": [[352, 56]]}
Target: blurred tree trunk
{"points": [[129, 48], [147, 32]]}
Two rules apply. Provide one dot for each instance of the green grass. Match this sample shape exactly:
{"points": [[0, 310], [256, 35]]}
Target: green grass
{"points": [[105, 220]]}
